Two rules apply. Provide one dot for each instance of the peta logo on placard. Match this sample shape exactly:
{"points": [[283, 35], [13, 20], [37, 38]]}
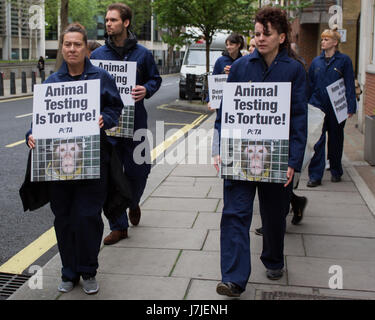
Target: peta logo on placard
{"points": [[36, 19]]}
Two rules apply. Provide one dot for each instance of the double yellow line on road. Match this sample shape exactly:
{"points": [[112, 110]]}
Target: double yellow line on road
{"points": [[19, 262]]}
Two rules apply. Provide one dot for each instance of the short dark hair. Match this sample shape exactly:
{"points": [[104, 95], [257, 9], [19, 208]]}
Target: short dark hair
{"points": [[75, 27], [124, 10], [236, 38]]}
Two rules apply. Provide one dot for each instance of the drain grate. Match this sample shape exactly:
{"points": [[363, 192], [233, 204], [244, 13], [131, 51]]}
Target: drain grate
{"points": [[9, 283], [282, 295]]}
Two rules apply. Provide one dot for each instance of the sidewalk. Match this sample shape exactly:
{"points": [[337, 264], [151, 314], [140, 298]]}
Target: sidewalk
{"points": [[174, 253]]}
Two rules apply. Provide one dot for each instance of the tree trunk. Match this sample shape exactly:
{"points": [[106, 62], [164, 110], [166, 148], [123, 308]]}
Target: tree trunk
{"points": [[64, 23]]}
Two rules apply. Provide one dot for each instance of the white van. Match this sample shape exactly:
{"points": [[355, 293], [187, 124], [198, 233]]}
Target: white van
{"points": [[194, 62]]}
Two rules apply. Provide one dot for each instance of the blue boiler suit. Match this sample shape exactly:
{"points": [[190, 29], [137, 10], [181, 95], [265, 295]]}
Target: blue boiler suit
{"points": [[147, 76], [77, 205], [274, 198], [321, 75]]}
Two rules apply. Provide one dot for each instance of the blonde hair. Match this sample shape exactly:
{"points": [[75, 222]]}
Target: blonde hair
{"points": [[333, 34]]}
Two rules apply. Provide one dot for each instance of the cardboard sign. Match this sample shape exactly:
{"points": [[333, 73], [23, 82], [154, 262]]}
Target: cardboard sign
{"points": [[215, 89], [255, 131], [66, 131], [337, 95]]}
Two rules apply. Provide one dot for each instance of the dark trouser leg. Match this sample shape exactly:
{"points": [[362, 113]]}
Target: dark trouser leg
{"points": [[318, 161], [138, 187], [88, 204], [335, 145], [61, 196], [274, 200], [234, 235]]}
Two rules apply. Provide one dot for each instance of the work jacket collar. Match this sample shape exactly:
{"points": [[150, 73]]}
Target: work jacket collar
{"points": [[281, 56], [89, 69]]}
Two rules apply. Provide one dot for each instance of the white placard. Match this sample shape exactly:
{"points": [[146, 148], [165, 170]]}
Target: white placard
{"points": [[66, 109], [256, 110], [336, 92], [124, 73], [215, 89]]}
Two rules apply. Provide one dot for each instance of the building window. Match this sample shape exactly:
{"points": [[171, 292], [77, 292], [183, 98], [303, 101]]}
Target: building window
{"points": [[25, 53]]}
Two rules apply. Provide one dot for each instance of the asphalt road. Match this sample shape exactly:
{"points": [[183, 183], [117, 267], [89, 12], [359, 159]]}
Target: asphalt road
{"points": [[19, 229]]}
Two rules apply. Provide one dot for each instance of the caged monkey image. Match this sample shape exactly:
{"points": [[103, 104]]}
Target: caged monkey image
{"points": [[255, 160], [66, 160]]}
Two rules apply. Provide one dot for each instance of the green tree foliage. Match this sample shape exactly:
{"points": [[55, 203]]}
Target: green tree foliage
{"points": [[205, 16]]}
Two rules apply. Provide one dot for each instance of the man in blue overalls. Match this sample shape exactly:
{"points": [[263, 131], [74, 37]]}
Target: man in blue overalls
{"points": [[121, 44], [325, 69]]}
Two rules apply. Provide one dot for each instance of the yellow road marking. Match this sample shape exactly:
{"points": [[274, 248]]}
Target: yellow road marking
{"points": [[19, 262], [15, 144], [24, 115], [16, 99], [163, 107], [157, 151]]}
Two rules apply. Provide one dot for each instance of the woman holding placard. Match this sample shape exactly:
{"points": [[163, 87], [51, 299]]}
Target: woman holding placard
{"points": [[271, 61], [77, 205], [325, 70]]}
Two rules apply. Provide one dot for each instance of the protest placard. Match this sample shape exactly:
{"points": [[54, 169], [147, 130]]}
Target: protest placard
{"points": [[215, 89], [66, 131], [255, 131], [337, 95], [124, 73]]}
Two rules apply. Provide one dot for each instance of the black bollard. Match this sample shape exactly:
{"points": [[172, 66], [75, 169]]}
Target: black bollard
{"points": [[42, 76], [1, 84], [33, 80], [24, 84], [190, 86], [12, 83]]}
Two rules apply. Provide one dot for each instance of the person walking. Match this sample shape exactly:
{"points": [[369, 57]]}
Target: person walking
{"points": [[326, 69], [271, 61], [40, 65], [121, 44], [77, 205]]}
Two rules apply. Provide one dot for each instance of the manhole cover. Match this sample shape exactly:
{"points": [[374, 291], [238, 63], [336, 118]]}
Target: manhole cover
{"points": [[9, 283], [282, 295]]}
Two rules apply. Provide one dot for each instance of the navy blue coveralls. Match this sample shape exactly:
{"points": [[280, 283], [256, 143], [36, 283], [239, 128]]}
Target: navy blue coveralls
{"points": [[77, 205], [274, 198], [147, 76], [321, 75]]}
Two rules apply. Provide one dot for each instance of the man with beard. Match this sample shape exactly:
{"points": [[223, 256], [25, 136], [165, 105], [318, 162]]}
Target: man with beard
{"points": [[121, 44]]}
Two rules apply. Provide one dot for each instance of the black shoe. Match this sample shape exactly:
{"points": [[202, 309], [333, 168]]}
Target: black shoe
{"points": [[335, 179], [298, 205], [274, 274], [259, 231], [314, 183], [229, 289]]}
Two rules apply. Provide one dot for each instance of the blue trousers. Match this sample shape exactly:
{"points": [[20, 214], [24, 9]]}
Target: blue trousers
{"points": [[335, 149], [274, 201], [77, 206]]}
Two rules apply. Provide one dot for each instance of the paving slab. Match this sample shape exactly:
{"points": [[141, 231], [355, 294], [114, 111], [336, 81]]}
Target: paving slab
{"points": [[338, 210], [164, 238], [314, 272], [130, 287], [137, 261], [343, 186], [349, 248], [194, 170], [200, 191], [168, 219], [180, 204], [332, 197], [206, 265], [293, 244], [335, 226]]}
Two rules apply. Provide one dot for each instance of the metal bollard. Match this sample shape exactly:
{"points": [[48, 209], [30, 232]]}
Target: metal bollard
{"points": [[190, 86], [42, 76], [33, 80], [24, 84], [12, 83], [1, 83]]}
